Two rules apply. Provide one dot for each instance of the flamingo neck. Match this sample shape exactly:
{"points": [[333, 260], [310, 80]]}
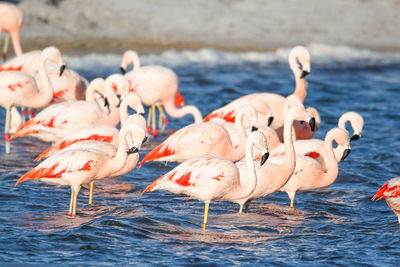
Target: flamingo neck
{"points": [[181, 112], [288, 165], [97, 85], [245, 190], [133, 58], [332, 166], [301, 84], [237, 152], [46, 95]]}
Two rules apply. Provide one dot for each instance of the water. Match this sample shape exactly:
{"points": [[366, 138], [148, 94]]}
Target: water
{"points": [[336, 225]]}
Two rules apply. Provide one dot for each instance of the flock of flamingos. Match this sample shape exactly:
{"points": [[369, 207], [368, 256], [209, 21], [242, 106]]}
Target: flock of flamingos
{"points": [[255, 145]]}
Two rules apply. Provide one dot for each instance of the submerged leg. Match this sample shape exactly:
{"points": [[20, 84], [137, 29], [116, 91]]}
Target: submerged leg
{"points": [[7, 130], [162, 120], [149, 117], [75, 201], [91, 188], [206, 206], [291, 196], [241, 208], [5, 46], [153, 122], [71, 203]]}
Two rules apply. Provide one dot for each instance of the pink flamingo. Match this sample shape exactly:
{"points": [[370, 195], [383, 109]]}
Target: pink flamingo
{"points": [[104, 133], [111, 149], [309, 174], [20, 89], [81, 166], [356, 121], [11, 18], [158, 87], [275, 101], [205, 138], [213, 178], [390, 191], [59, 120], [272, 176]]}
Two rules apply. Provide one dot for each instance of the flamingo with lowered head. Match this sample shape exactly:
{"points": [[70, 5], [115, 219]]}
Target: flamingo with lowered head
{"points": [[81, 166], [59, 120], [390, 191], [309, 174], [158, 87], [201, 139], [213, 178], [275, 101], [11, 18], [272, 176], [20, 89]]}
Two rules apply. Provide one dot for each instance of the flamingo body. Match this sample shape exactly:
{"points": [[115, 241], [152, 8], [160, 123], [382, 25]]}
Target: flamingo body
{"points": [[390, 191]]}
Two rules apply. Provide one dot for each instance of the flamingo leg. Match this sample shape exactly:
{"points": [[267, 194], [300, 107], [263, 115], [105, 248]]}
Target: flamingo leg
{"points": [[75, 202], [241, 208], [206, 206], [7, 130], [149, 116], [153, 119], [5, 46], [162, 120], [23, 113], [91, 189], [291, 196], [71, 203]]}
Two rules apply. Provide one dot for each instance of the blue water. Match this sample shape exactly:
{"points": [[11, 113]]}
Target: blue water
{"points": [[338, 225]]}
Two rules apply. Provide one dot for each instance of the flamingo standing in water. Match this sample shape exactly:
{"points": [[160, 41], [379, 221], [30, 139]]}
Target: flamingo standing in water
{"points": [[11, 18], [275, 101], [309, 174], [20, 89], [158, 87], [111, 149], [213, 178], [99, 132], [390, 191], [81, 166], [59, 120], [272, 176], [204, 138]]}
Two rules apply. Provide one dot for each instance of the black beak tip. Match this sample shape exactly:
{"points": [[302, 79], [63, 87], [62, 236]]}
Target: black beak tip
{"points": [[354, 138], [62, 68], [264, 158], [346, 152], [312, 124], [254, 128], [144, 140], [123, 71], [270, 120], [133, 150], [141, 113], [304, 74]]}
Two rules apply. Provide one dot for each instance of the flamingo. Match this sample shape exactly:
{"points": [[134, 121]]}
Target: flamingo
{"points": [[58, 120], [11, 18], [20, 89], [99, 132], [309, 174], [272, 176], [275, 101], [310, 147], [205, 138], [111, 149], [158, 87], [81, 166], [390, 191], [213, 178]]}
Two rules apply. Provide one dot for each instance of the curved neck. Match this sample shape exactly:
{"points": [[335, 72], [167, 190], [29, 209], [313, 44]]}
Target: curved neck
{"points": [[237, 152], [95, 85], [301, 84], [131, 57], [46, 95], [180, 112], [331, 164], [288, 165]]}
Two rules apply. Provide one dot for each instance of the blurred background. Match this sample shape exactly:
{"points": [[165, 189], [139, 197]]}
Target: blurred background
{"points": [[240, 25]]}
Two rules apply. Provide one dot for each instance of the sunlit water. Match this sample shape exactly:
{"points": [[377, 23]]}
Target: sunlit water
{"points": [[335, 225]]}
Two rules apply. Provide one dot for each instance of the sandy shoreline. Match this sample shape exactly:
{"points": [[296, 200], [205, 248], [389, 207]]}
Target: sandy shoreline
{"points": [[238, 25]]}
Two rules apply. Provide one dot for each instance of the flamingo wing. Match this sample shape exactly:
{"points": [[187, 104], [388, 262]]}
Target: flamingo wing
{"points": [[389, 189]]}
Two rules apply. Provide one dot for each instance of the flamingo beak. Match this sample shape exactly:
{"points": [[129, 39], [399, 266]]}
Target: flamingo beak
{"points": [[254, 128], [62, 68], [304, 73], [346, 152], [133, 150], [264, 158], [354, 138], [312, 124], [123, 71], [120, 100], [141, 113], [270, 120], [144, 140]]}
